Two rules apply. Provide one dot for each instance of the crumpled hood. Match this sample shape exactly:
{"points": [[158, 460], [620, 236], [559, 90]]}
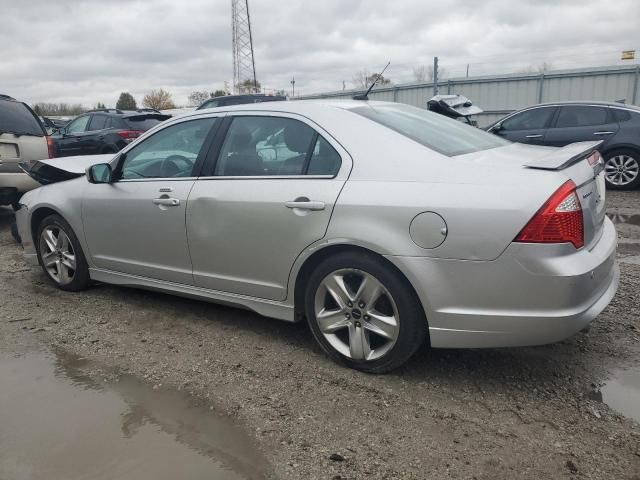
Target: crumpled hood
{"points": [[64, 168]]}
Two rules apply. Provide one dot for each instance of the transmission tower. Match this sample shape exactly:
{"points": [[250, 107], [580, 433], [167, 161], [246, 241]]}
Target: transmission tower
{"points": [[244, 67]]}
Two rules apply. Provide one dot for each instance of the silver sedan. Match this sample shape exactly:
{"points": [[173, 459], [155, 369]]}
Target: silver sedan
{"points": [[383, 225]]}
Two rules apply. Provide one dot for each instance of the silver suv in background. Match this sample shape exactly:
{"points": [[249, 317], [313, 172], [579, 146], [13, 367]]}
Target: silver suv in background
{"points": [[22, 138]]}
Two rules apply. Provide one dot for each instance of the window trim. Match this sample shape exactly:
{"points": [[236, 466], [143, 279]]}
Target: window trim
{"points": [[197, 166], [211, 161]]}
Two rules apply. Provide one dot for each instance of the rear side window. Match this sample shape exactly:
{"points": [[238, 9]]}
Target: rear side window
{"points": [[533, 119], [324, 159], [437, 132], [582, 116], [143, 123], [621, 115], [16, 117], [98, 122]]}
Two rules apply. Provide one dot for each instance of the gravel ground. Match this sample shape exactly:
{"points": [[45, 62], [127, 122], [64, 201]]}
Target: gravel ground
{"points": [[468, 414]]}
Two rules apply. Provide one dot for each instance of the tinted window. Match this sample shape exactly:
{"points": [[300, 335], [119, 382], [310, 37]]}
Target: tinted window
{"points": [[621, 115], [15, 117], [98, 122], [171, 152], [256, 146], [210, 104], [432, 130], [143, 123], [78, 125], [324, 160], [581, 116], [533, 119]]}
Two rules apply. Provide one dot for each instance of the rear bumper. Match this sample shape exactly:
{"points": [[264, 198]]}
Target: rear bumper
{"points": [[20, 181], [531, 295]]}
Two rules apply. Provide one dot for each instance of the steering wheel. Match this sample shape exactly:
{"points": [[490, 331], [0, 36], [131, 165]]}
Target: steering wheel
{"points": [[170, 166]]}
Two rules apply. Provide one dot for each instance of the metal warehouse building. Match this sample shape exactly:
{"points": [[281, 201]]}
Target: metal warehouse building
{"points": [[502, 94]]}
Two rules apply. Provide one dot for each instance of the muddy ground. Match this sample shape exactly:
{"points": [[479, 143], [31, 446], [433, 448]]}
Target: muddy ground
{"points": [[475, 414]]}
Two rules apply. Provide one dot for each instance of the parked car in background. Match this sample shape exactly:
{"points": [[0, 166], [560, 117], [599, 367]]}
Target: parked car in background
{"points": [[22, 138], [558, 124], [240, 99], [104, 131], [383, 224]]}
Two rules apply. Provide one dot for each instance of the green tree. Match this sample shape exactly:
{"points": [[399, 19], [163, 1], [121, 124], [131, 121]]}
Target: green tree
{"points": [[126, 102], [218, 93]]}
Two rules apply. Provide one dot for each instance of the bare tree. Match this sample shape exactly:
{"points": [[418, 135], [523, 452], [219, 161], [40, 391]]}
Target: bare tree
{"points": [[425, 74], [59, 108], [158, 99], [197, 98], [363, 79]]}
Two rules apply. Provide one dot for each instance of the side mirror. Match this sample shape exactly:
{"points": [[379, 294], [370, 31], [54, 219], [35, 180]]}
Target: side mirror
{"points": [[99, 173]]}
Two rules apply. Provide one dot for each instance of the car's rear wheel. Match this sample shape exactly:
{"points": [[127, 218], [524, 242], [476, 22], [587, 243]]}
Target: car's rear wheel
{"points": [[60, 254], [622, 169], [363, 313]]}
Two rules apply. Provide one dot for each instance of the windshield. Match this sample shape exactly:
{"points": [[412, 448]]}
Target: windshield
{"points": [[16, 117], [432, 130]]}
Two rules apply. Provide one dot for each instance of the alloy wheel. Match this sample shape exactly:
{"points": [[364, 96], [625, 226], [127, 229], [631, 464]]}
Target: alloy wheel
{"points": [[356, 314], [621, 170], [58, 256]]}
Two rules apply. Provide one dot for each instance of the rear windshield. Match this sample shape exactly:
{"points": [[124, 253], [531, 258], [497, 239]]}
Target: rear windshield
{"points": [[16, 117], [437, 132], [144, 123]]}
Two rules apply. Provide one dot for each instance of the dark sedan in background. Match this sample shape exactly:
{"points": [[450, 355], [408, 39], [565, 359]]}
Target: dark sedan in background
{"points": [[561, 123], [104, 131]]}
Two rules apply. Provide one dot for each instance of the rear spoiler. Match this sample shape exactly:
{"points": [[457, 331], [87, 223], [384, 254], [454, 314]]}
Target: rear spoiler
{"points": [[565, 156]]}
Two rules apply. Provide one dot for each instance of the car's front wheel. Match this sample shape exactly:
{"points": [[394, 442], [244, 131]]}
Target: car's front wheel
{"points": [[622, 169], [60, 254], [363, 312]]}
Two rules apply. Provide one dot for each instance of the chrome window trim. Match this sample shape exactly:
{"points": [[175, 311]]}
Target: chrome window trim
{"points": [[269, 177]]}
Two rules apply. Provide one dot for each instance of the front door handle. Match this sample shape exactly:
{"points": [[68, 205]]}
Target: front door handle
{"points": [[533, 136], [603, 133], [305, 205], [166, 201]]}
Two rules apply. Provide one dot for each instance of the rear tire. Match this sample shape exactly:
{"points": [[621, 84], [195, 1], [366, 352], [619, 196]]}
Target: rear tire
{"points": [[622, 169], [60, 255], [370, 317]]}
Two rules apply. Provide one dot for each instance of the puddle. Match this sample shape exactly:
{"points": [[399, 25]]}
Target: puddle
{"points": [[55, 422], [621, 393]]}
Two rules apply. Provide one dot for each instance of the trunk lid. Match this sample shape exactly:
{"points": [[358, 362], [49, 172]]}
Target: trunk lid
{"points": [[61, 169]]}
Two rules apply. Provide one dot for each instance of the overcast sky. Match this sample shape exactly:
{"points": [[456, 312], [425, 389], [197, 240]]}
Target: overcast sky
{"points": [[88, 51]]}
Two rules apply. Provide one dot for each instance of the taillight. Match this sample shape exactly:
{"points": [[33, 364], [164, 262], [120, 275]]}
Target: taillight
{"points": [[594, 158], [51, 150], [558, 221], [129, 135]]}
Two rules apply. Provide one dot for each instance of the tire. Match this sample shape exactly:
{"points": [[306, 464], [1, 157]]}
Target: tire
{"points": [[58, 250], [622, 169], [372, 332]]}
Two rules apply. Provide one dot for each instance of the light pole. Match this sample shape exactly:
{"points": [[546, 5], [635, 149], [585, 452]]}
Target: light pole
{"points": [[293, 86]]}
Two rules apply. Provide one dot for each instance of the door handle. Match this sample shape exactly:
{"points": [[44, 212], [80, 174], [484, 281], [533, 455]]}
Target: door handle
{"points": [[166, 201], [533, 136], [305, 205], [603, 133]]}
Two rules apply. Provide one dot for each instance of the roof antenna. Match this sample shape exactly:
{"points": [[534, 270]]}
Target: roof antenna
{"points": [[365, 96]]}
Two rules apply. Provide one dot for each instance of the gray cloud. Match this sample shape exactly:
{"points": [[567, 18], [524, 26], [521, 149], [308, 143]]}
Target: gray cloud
{"points": [[89, 51]]}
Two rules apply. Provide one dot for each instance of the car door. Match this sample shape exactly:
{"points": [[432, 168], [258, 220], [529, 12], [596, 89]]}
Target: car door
{"points": [[527, 126], [578, 123], [94, 136], [136, 224], [251, 213], [72, 138]]}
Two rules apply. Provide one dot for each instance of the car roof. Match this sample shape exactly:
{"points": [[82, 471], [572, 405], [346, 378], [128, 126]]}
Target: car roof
{"points": [[127, 113], [587, 102], [296, 106]]}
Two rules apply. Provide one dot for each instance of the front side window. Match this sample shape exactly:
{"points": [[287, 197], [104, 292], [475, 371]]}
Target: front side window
{"points": [[533, 119], [258, 146], [98, 122], [434, 131], [169, 153], [78, 125], [582, 116]]}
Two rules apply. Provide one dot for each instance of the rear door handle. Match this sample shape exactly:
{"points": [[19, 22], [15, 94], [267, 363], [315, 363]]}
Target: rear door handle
{"points": [[305, 205], [166, 201], [533, 136], [603, 133]]}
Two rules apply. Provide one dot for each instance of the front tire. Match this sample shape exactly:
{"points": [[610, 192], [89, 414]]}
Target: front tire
{"points": [[364, 313], [622, 169], [60, 255]]}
